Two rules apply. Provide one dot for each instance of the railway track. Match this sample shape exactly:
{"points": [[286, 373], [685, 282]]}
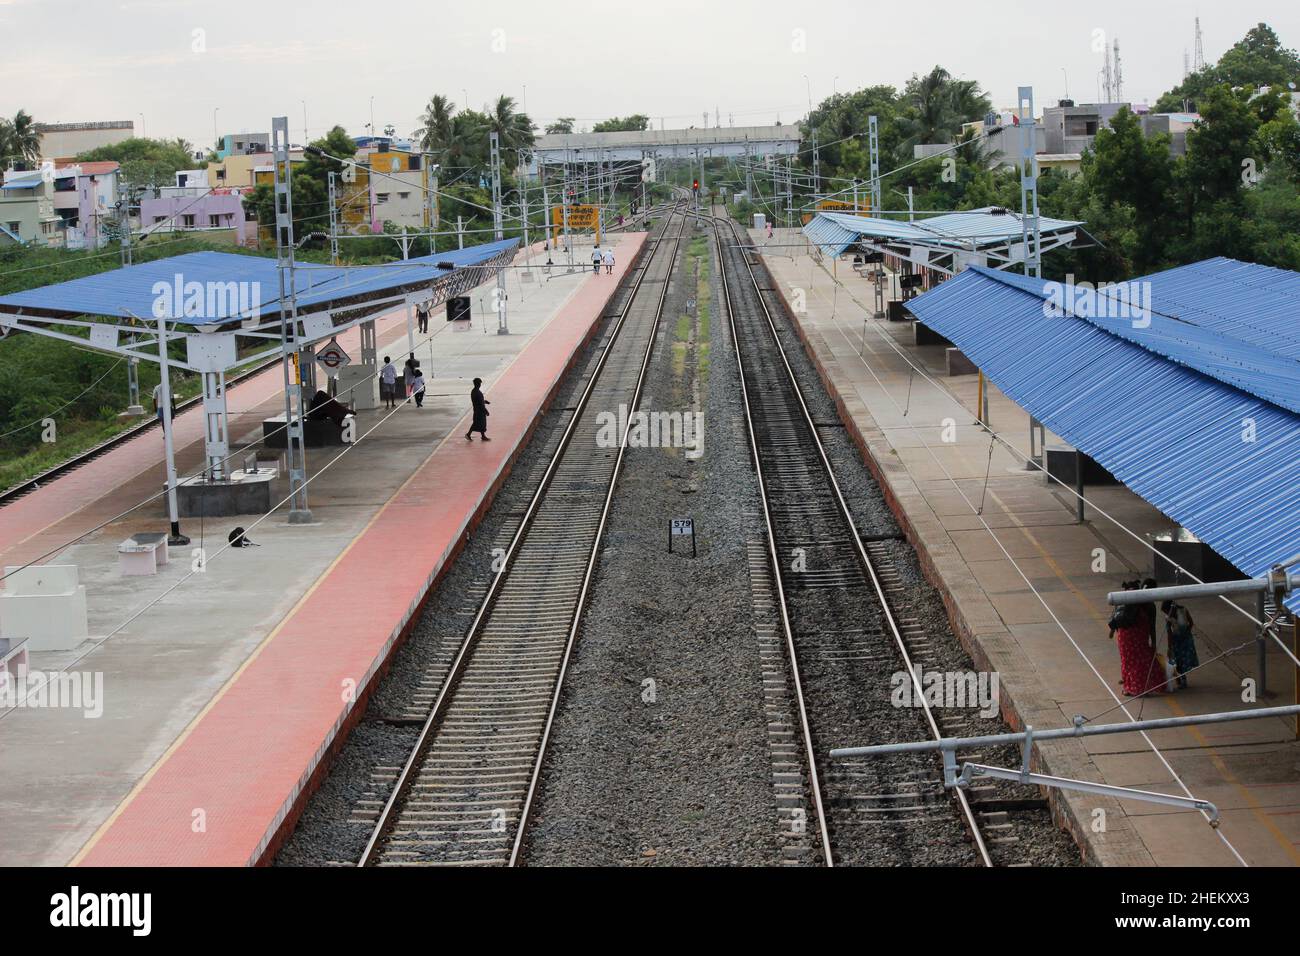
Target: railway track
{"points": [[464, 794], [12, 494], [831, 612]]}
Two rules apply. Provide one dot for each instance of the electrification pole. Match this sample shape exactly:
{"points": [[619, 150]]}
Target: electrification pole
{"points": [[503, 325], [334, 220], [1030, 230], [290, 354]]}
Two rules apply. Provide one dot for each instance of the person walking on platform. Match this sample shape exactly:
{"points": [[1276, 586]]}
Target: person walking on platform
{"points": [[408, 373], [480, 404], [417, 387], [596, 258], [608, 259], [388, 383], [1181, 644], [422, 317]]}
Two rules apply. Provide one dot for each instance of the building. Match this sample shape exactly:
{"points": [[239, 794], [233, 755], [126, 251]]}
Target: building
{"points": [[193, 205], [398, 182], [85, 194], [243, 144], [66, 140], [236, 171], [27, 214], [1063, 134], [1173, 125], [1071, 129]]}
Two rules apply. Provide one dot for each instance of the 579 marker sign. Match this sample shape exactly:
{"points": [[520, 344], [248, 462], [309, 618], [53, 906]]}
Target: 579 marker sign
{"points": [[681, 527]]}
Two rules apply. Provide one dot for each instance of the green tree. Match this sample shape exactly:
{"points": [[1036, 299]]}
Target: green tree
{"points": [[514, 130], [636, 123], [435, 131], [20, 141], [310, 191], [144, 162], [1130, 176], [563, 125], [1258, 59], [937, 105]]}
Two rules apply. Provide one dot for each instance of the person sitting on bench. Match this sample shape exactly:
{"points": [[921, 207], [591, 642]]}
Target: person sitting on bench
{"points": [[324, 408]]}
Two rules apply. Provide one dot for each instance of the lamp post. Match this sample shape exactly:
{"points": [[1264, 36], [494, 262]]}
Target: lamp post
{"points": [[142, 128], [306, 137], [215, 136]]}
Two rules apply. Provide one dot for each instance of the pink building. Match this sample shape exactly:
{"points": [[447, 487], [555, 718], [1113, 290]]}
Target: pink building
{"points": [[193, 206], [85, 194]]}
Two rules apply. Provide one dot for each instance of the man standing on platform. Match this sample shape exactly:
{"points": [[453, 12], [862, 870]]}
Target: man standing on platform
{"points": [[388, 383], [480, 412]]}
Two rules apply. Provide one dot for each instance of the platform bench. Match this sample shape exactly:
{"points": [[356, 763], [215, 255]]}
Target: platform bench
{"points": [[315, 433], [13, 663], [142, 553]]}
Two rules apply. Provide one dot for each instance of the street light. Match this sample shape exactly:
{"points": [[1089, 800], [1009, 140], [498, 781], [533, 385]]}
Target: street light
{"points": [[142, 129], [305, 135], [808, 82], [215, 136]]}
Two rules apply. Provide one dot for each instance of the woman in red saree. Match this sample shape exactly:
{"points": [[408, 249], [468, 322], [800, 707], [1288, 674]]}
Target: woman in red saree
{"points": [[1134, 628]]}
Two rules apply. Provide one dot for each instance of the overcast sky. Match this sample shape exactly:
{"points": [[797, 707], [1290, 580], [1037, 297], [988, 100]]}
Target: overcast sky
{"points": [[170, 63]]}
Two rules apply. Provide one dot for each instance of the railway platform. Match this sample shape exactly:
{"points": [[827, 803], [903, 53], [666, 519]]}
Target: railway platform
{"points": [[1018, 576], [224, 691]]}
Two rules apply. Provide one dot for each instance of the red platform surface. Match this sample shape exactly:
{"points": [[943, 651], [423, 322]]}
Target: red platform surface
{"points": [[222, 793]]}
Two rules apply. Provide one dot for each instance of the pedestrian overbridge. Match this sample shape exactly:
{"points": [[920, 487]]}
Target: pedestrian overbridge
{"points": [[709, 142]]}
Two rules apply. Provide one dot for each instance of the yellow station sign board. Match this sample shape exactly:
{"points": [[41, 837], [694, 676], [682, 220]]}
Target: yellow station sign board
{"points": [[863, 206], [582, 217]]}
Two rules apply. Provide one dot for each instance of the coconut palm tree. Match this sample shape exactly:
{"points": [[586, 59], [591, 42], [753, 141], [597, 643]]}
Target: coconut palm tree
{"points": [[436, 127], [20, 141], [514, 129], [938, 105], [562, 125]]}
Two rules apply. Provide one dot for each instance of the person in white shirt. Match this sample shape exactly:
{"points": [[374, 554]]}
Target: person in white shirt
{"points": [[388, 383], [595, 260], [608, 258], [417, 386]]}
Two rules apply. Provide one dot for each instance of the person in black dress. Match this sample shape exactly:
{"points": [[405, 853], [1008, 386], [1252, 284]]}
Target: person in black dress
{"points": [[480, 412]]}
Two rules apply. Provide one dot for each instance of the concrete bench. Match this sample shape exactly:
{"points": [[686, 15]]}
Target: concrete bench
{"points": [[142, 553], [13, 662], [315, 434], [44, 605]]}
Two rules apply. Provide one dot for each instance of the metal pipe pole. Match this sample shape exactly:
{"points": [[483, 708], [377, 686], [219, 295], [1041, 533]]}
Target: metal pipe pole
{"points": [[1217, 589], [1080, 729], [1261, 646], [1078, 484]]}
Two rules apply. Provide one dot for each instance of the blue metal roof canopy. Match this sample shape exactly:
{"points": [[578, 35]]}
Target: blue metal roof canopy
{"points": [[940, 242], [1202, 339], [1173, 434], [133, 291]]}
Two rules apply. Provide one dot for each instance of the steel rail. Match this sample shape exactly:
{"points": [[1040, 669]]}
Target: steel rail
{"points": [[814, 777], [863, 557], [387, 817], [591, 560]]}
